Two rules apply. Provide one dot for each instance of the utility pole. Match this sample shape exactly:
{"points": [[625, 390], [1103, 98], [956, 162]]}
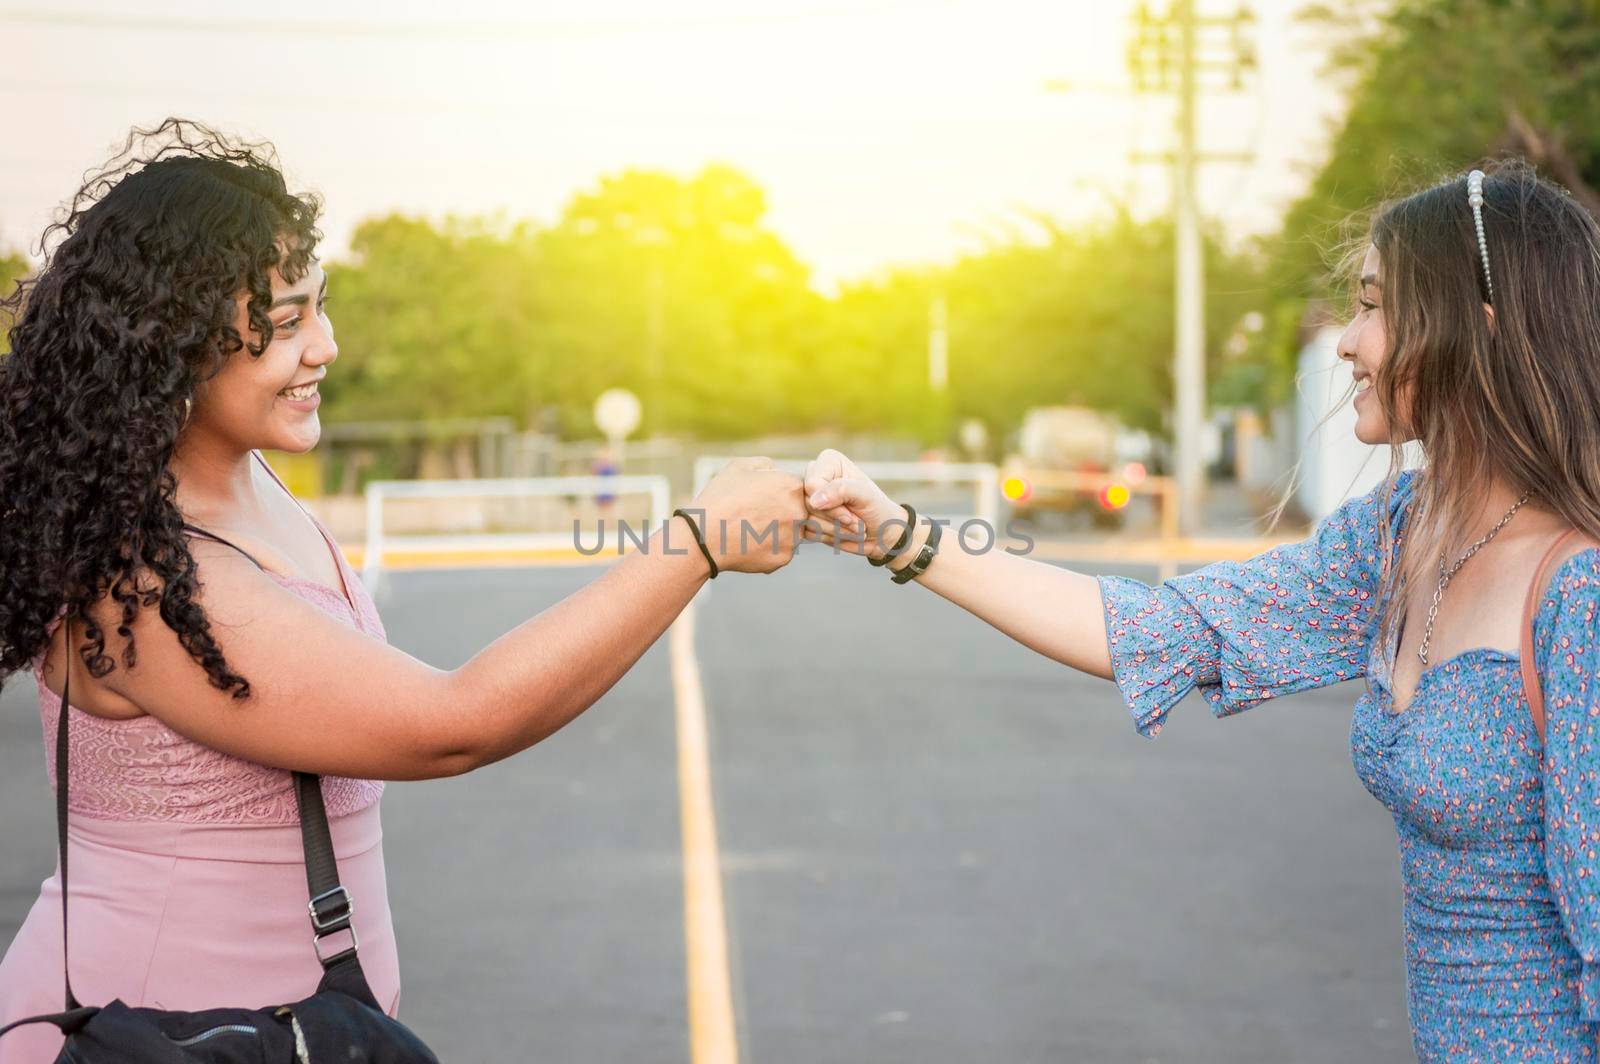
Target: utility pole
{"points": [[935, 427], [1168, 55], [655, 329], [938, 345]]}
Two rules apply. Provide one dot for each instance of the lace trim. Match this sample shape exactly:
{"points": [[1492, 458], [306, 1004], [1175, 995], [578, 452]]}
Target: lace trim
{"points": [[140, 769]]}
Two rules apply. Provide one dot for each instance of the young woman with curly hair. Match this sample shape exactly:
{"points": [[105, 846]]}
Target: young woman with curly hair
{"points": [[216, 637], [1482, 344]]}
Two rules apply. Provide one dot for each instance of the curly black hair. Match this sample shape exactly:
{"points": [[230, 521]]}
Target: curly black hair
{"points": [[132, 308]]}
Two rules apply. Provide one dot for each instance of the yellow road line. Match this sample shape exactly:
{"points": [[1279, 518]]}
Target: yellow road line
{"points": [[1152, 551], [711, 1028], [400, 558]]}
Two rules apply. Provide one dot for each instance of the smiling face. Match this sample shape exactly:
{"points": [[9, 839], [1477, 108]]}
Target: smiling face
{"points": [[1365, 345], [263, 402]]}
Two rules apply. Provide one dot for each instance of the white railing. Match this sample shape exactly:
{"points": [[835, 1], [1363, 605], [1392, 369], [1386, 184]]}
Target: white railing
{"points": [[984, 478], [378, 491]]}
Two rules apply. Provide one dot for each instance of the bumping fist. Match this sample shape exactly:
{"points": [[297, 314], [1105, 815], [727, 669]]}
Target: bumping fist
{"points": [[848, 509], [751, 515]]}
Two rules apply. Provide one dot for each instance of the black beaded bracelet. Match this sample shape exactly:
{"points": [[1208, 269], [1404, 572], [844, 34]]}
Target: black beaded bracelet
{"points": [[901, 544], [924, 558], [699, 539]]}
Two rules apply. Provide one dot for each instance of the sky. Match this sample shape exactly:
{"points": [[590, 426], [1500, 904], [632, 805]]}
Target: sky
{"points": [[884, 132]]}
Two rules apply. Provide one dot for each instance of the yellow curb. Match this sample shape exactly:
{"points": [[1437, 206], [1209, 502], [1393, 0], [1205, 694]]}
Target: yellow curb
{"points": [[1153, 551], [401, 558]]}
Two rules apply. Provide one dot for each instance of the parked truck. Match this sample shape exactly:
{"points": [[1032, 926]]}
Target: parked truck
{"points": [[1075, 439]]}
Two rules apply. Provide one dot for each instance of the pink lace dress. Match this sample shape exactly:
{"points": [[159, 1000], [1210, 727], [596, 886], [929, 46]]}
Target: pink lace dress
{"points": [[188, 886]]}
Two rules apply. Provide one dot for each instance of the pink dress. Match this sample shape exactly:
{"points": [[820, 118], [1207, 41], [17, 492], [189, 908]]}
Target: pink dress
{"points": [[188, 884]]}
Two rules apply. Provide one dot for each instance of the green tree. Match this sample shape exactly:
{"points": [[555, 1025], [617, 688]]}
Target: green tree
{"points": [[12, 269], [432, 322], [673, 288], [677, 290], [1083, 317], [1434, 86]]}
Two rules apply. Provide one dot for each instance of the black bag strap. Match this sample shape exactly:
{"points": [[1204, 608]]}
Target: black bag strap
{"points": [[68, 1021], [331, 905], [61, 808]]}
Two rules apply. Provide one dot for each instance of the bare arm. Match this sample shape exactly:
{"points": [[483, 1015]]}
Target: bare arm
{"points": [[574, 652], [328, 699], [1056, 612]]}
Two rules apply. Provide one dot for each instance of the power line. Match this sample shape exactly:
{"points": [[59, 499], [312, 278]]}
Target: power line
{"points": [[496, 30]]}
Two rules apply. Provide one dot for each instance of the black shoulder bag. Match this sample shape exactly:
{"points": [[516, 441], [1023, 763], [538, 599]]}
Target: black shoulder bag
{"points": [[341, 1022]]}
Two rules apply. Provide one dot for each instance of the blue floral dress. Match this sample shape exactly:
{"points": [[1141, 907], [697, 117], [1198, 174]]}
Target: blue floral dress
{"points": [[1499, 852]]}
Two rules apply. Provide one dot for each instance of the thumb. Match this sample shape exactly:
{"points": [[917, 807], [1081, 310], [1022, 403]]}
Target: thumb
{"points": [[820, 472]]}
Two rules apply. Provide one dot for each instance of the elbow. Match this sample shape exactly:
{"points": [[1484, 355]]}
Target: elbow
{"points": [[1589, 992], [454, 763], [463, 730], [440, 757], [452, 748], [430, 757], [447, 733]]}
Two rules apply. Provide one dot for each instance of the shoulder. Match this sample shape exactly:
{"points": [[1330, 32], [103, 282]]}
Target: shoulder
{"points": [[1358, 520], [1573, 586], [1566, 616], [228, 586], [1406, 481], [1395, 493], [1567, 654]]}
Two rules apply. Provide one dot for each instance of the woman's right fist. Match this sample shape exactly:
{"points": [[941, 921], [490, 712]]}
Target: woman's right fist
{"points": [[837, 491], [751, 515]]}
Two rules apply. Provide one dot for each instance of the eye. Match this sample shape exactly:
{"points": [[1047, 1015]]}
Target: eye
{"points": [[1367, 304]]}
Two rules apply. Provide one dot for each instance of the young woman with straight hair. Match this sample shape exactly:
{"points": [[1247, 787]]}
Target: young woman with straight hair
{"points": [[1476, 334]]}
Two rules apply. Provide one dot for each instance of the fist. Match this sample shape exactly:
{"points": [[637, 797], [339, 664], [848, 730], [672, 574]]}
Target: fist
{"points": [[752, 515], [849, 509]]}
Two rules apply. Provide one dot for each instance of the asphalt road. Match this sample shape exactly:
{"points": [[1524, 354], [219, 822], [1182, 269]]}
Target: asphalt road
{"points": [[936, 846]]}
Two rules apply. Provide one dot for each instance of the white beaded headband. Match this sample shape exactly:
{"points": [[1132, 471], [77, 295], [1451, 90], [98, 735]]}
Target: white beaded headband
{"points": [[1475, 197]]}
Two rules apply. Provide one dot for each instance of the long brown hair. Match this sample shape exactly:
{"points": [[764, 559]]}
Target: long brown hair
{"points": [[1518, 400]]}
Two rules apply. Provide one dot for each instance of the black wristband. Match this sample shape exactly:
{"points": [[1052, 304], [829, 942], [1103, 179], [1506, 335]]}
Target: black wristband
{"points": [[924, 558], [900, 545], [699, 539]]}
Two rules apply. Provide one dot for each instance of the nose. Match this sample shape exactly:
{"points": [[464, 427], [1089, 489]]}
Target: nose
{"points": [[1346, 347], [322, 349]]}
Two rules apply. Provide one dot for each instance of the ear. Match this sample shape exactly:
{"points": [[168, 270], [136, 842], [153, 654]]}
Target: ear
{"points": [[1489, 311]]}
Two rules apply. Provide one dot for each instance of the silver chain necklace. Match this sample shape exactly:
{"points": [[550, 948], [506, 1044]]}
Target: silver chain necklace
{"points": [[1444, 577]]}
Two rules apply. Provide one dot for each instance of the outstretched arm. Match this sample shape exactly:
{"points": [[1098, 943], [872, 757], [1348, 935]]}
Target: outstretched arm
{"points": [[1289, 619], [331, 700], [1054, 611]]}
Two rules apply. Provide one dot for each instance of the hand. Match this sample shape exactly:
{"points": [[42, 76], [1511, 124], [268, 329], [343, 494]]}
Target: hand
{"points": [[752, 514], [851, 509]]}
